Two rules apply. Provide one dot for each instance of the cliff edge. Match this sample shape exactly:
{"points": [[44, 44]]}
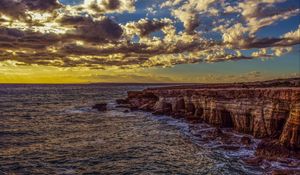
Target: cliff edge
{"points": [[267, 110]]}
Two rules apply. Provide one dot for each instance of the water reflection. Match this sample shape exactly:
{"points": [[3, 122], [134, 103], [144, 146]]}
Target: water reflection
{"points": [[53, 130]]}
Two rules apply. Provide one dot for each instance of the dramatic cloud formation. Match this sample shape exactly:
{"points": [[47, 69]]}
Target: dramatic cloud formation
{"points": [[109, 6], [18, 9], [91, 30], [96, 34]]}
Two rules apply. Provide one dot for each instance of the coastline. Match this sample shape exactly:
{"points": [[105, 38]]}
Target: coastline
{"points": [[269, 111]]}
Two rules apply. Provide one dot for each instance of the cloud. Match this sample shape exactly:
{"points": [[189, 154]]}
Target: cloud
{"points": [[17, 8], [45, 32], [171, 3], [293, 34], [109, 6], [291, 38], [279, 51], [190, 19], [12, 8], [188, 11], [146, 26], [17, 39], [258, 14], [238, 36], [42, 5], [90, 30]]}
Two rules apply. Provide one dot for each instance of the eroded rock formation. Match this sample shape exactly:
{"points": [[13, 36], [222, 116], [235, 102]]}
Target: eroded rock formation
{"points": [[264, 112], [100, 107]]}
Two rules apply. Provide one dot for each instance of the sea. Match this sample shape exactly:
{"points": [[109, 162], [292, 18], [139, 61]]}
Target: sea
{"points": [[52, 129]]}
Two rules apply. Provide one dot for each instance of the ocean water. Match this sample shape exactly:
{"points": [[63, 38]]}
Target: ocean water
{"points": [[52, 129]]}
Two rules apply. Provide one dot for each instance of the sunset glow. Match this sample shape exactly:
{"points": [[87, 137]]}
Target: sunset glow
{"points": [[76, 41]]}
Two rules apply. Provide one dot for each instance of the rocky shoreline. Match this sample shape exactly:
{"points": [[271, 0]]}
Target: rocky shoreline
{"points": [[266, 110]]}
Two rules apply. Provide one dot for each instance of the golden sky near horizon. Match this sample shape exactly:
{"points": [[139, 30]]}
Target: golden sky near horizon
{"points": [[84, 41]]}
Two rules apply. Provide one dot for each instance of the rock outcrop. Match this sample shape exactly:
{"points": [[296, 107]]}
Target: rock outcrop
{"points": [[263, 111], [100, 107]]}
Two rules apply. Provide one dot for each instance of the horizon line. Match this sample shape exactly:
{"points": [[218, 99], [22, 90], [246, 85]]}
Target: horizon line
{"points": [[151, 83]]}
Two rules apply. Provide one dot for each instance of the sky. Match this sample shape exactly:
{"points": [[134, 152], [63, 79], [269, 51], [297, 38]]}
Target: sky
{"points": [[148, 41]]}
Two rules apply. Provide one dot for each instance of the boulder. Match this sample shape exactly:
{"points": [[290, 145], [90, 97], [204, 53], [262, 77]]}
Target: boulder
{"points": [[246, 140], [285, 172], [253, 161], [122, 101], [217, 132], [100, 106], [272, 149]]}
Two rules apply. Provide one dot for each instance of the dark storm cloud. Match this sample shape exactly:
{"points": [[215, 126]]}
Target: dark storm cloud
{"points": [[30, 58], [108, 6], [148, 26], [13, 8], [17, 8], [230, 57], [192, 24], [111, 4], [139, 49], [16, 39], [253, 43], [92, 51], [64, 60], [263, 42], [43, 5], [87, 29]]}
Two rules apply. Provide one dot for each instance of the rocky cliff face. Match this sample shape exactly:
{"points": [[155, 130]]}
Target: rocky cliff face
{"points": [[263, 112]]}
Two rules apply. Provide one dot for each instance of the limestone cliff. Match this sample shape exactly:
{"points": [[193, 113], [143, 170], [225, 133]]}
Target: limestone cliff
{"points": [[263, 111]]}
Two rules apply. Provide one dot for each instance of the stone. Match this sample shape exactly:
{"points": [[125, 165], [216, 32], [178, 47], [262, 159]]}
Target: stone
{"points": [[272, 149], [260, 109], [192, 118], [285, 172], [100, 107], [123, 106], [253, 161], [217, 132], [27, 117], [291, 132], [246, 140], [121, 101]]}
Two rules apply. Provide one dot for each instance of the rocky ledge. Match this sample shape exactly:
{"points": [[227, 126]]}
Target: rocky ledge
{"points": [[268, 110]]}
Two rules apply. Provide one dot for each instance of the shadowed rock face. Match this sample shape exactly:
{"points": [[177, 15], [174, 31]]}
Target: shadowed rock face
{"points": [[264, 112], [100, 106], [291, 132]]}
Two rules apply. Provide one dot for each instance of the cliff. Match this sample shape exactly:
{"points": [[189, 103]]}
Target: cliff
{"points": [[264, 110]]}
